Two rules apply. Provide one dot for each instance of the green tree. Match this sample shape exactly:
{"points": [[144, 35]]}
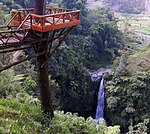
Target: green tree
{"points": [[128, 96]]}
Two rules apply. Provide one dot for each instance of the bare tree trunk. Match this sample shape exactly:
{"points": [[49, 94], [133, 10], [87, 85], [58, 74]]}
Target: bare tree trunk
{"points": [[40, 7], [43, 82], [42, 65]]}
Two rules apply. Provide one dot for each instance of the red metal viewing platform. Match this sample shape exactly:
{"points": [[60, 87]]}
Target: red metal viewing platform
{"points": [[55, 18], [25, 19], [41, 35]]}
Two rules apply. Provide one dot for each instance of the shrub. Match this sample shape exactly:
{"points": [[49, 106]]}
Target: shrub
{"points": [[18, 118]]}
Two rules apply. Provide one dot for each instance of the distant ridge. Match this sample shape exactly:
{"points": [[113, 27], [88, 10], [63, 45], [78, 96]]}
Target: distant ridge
{"points": [[123, 6]]}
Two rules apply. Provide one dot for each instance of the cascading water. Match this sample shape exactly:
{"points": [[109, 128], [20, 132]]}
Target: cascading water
{"points": [[100, 101], [96, 76]]}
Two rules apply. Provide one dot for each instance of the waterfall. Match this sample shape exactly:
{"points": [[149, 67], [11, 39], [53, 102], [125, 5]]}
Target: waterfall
{"points": [[96, 76], [100, 101]]}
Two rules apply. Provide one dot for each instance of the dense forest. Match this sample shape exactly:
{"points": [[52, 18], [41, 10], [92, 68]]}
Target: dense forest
{"points": [[97, 42]]}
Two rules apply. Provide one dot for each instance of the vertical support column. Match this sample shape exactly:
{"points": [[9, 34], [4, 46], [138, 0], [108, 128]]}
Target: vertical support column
{"points": [[40, 7], [43, 81], [42, 65]]}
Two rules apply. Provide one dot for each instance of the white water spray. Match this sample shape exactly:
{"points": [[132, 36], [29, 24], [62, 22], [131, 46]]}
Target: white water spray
{"points": [[100, 101]]}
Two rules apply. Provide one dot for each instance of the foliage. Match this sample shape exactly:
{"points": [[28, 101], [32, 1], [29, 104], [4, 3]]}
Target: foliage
{"points": [[29, 85], [69, 74], [28, 119], [8, 5], [25, 3], [140, 128], [82, 51], [10, 84], [55, 91], [105, 35], [128, 92], [2, 20], [93, 44], [79, 4]]}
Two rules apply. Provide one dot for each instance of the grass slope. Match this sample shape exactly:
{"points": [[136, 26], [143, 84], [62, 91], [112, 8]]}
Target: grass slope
{"points": [[139, 61]]}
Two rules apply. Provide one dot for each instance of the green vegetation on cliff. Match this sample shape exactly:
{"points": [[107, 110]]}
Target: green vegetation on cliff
{"points": [[27, 118], [92, 45], [127, 91], [20, 112]]}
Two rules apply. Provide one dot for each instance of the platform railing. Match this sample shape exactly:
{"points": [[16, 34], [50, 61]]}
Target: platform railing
{"points": [[22, 13], [56, 10], [70, 16], [55, 19], [26, 18], [9, 25]]}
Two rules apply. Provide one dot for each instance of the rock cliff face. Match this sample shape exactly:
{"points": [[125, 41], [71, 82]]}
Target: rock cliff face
{"points": [[130, 6]]}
